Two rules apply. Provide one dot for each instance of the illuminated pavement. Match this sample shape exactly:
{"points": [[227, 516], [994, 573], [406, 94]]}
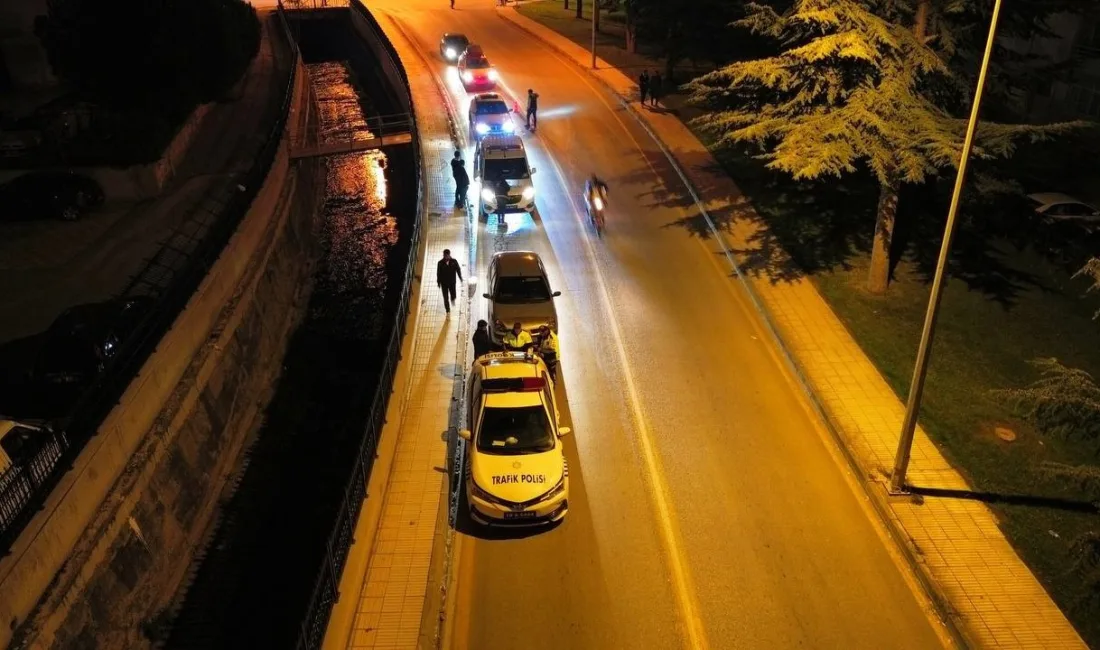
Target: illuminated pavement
{"points": [[708, 507]]}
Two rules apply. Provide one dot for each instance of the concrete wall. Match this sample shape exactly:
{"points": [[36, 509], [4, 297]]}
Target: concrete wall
{"points": [[103, 559], [372, 37]]}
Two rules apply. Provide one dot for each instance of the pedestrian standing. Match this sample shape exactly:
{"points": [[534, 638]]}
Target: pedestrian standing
{"points": [[643, 85], [482, 343], [532, 109], [447, 275], [655, 88], [462, 179]]}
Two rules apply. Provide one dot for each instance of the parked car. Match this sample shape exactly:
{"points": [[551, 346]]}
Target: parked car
{"points": [[489, 114], [85, 340], [452, 46], [519, 291], [1056, 207], [49, 195], [475, 71]]}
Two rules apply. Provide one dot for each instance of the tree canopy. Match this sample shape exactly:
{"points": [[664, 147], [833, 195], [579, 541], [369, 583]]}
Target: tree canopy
{"points": [[848, 88], [150, 53]]}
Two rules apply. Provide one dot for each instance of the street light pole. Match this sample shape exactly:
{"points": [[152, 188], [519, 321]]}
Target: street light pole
{"points": [[920, 371], [595, 19]]}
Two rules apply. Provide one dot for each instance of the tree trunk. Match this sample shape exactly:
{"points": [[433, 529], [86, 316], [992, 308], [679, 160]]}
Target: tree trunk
{"points": [[878, 279], [567, 5], [628, 28], [580, 9], [596, 15]]}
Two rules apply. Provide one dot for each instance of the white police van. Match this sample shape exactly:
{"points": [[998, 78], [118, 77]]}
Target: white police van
{"points": [[500, 165]]}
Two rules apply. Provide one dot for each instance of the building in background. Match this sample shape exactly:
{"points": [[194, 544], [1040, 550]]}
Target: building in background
{"points": [[1075, 43]]}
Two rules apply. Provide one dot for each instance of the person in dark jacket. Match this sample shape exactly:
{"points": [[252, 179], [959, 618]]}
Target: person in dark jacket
{"points": [[482, 343], [643, 85], [655, 88], [447, 274], [462, 179], [532, 109]]}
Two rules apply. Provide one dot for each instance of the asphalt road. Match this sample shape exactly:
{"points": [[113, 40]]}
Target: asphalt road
{"points": [[708, 507]]}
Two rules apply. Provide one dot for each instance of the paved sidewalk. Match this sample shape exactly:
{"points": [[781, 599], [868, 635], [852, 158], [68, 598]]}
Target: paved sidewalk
{"points": [[395, 586], [991, 596]]}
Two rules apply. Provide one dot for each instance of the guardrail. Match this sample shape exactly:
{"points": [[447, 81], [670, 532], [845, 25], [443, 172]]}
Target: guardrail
{"points": [[326, 589], [23, 490]]}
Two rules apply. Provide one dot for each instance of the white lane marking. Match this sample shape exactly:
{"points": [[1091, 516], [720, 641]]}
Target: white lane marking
{"points": [[685, 594]]}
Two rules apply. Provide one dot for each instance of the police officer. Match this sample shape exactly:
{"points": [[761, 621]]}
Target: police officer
{"points": [[548, 348], [517, 339]]}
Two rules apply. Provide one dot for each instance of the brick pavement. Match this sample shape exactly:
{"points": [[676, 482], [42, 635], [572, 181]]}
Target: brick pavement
{"points": [[990, 596], [395, 585]]}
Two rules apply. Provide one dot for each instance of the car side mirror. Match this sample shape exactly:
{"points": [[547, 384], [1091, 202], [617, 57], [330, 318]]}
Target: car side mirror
{"points": [[564, 431], [556, 294], [464, 434], [534, 169], [487, 296]]}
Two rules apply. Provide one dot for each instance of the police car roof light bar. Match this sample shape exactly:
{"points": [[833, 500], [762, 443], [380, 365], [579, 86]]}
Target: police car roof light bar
{"points": [[513, 384]]}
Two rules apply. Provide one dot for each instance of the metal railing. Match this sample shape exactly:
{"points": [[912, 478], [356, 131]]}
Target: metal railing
{"points": [[379, 131], [170, 279], [326, 589]]}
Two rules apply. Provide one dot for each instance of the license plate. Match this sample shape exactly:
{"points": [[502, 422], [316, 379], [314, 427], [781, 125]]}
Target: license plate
{"points": [[526, 514]]}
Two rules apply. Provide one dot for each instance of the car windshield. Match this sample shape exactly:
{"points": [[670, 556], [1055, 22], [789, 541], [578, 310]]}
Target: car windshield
{"points": [[477, 64], [518, 291], [516, 430], [460, 41], [491, 108], [506, 169]]}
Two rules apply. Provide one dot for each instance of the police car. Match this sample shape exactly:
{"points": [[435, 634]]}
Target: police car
{"points": [[516, 472], [490, 114], [500, 165]]}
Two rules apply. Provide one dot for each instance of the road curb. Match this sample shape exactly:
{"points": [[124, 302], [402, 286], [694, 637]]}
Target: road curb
{"points": [[873, 489]]}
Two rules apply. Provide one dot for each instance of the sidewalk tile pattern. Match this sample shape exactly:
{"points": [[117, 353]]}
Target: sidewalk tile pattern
{"points": [[990, 592], [395, 586]]}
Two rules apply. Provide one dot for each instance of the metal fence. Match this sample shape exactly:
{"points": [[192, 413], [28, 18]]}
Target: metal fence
{"points": [[24, 488], [326, 589]]}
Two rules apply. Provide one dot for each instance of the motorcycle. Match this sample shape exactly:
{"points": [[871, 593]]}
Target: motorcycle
{"points": [[595, 202]]}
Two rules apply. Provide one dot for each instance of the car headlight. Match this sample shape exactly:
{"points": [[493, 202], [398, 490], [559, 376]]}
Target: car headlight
{"points": [[450, 53], [493, 76], [488, 195], [509, 127], [482, 128], [557, 489], [528, 193], [467, 76], [598, 202]]}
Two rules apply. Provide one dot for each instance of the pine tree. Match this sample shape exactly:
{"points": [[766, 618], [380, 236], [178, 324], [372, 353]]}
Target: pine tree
{"points": [[849, 88]]}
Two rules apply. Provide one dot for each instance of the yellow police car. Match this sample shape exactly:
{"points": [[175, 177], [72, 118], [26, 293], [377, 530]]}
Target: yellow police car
{"points": [[516, 472]]}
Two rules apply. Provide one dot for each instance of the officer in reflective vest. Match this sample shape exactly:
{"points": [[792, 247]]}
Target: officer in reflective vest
{"points": [[518, 338]]}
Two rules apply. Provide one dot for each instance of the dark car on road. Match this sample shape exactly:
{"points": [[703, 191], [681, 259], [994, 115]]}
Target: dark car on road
{"points": [[452, 46], [85, 340], [49, 195]]}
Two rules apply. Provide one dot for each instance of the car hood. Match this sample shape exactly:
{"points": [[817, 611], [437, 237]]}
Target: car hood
{"points": [[518, 478], [530, 316]]}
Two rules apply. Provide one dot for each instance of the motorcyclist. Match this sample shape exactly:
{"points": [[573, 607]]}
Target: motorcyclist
{"points": [[548, 348], [517, 339], [593, 187]]}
